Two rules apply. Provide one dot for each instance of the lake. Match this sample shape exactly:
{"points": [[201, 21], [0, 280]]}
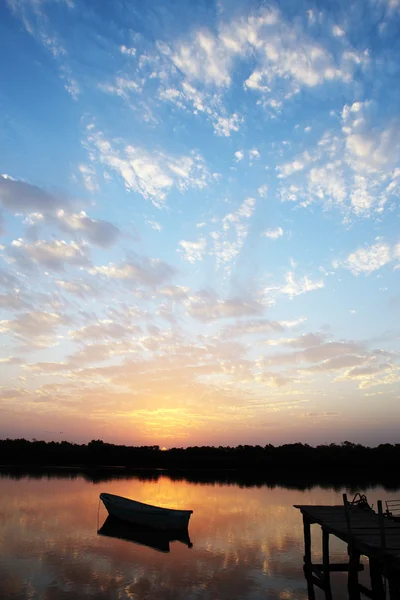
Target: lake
{"points": [[247, 541]]}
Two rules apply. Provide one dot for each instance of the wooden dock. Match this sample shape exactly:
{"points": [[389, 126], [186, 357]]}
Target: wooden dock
{"points": [[366, 533]]}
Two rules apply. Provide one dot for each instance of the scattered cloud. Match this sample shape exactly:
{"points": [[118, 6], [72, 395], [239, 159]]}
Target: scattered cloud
{"points": [[36, 328], [142, 270], [273, 234], [369, 259], [206, 306], [54, 255], [293, 286], [101, 233], [239, 155], [193, 251], [20, 197], [152, 175]]}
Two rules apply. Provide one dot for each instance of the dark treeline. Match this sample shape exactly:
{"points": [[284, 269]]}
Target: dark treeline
{"points": [[344, 461]]}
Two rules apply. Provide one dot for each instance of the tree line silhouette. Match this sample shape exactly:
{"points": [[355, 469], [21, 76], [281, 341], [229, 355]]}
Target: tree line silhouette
{"points": [[329, 460]]}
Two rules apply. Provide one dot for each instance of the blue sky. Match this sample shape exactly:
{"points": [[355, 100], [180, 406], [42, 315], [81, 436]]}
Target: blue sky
{"points": [[200, 221]]}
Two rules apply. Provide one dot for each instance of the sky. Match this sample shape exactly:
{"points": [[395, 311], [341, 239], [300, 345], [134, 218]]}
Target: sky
{"points": [[200, 239]]}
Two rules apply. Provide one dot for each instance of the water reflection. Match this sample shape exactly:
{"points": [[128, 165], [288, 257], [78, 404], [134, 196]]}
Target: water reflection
{"points": [[248, 542], [145, 536]]}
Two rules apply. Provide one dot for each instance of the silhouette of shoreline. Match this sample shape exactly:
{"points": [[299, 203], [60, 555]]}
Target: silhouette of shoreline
{"points": [[291, 465]]}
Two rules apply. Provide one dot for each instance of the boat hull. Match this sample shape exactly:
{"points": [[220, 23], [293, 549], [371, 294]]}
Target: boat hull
{"points": [[145, 514]]}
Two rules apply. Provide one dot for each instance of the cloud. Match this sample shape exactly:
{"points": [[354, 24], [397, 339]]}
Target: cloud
{"points": [[104, 330], [88, 174], [149, 272], [193, 251], [307, 340], [43, 208], [14, 300], [263, 190], [354, 169], [239, 155], [339, 362], [280, 52], [228, 241], [254, 154], [273, 234], [252, 327], [79, 288], [20, 197], [128, 51], [187, 97], [101, 233], [202, 59], [152, 175], [206, 306], [54, 255], [368, 259], [122, 87], [293, 286], [175, 292], [322, 351], [38, 328]]}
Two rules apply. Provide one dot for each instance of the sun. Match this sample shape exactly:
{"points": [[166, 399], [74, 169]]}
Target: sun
{"points": [[163, 449]]}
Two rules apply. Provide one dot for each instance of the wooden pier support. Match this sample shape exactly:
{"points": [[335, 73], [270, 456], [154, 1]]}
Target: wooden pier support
{"points": [[307, 540], [325, 563], [353, 585], [366, 533], [375, 573]]}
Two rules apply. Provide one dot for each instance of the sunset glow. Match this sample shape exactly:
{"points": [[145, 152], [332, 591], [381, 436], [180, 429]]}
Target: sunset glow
{"points": [[199, 218]]}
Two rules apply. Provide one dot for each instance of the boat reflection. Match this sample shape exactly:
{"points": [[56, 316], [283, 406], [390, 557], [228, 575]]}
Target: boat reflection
{"points": [[144, 536]]}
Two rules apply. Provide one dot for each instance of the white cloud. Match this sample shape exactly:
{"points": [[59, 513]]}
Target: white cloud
{"points": [[151, 175], [206, 306], [355, 171], [122, 87], [289, 168], [203, 58], [369, 259], [128, 51], [76, 287], [293, 286], [49, 254], [186, 97], [154, 225], [337, 31], [194, 251], [228, 242], [103, 330], [273, 234], [239, 155], [147, 271], [254, 154], [263, 191], [37, 327], [226, 125], [88, 175]]}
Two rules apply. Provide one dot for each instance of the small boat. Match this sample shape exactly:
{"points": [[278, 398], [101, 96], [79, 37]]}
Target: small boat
{"points": [[145, 514], [156, 539]]}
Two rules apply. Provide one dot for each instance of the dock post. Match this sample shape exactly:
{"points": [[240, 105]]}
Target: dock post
{"points": [[352, 582], [325, 564], [307, 541], [375, 573]]}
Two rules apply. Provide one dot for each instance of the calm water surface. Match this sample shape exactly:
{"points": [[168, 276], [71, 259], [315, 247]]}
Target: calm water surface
{"points": [[247, 542]]}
